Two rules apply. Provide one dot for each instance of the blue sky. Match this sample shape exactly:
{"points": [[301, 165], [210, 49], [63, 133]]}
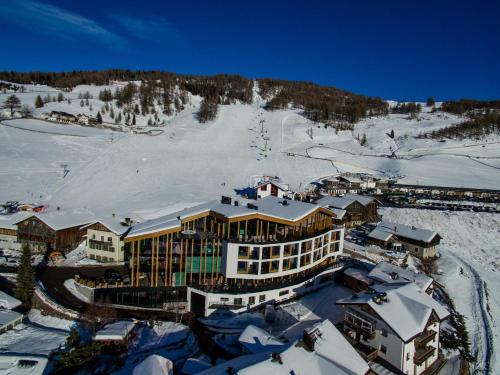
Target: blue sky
{"points": [[406, 50]]}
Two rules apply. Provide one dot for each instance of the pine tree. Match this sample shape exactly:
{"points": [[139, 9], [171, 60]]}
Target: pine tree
{"points": [[38, 102], [25, 278], [392, 134], [133, 119], [99, 118], [60, 97], [430, 102]]}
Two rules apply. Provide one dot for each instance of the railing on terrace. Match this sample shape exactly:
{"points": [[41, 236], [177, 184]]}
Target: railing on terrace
{"points": [[422, 354], [279, 238], [425, 337], [246, 286]]}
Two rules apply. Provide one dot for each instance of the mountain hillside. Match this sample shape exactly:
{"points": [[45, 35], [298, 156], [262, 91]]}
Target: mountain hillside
{"points": [[177, 161]]}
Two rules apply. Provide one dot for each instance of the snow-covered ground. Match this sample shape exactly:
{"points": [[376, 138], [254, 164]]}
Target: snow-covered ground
{"points": [[470, 243], [39, 336], [191, 162]]}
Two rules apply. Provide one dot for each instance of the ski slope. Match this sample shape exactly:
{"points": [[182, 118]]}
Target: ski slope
{"points": [[190, 162]]}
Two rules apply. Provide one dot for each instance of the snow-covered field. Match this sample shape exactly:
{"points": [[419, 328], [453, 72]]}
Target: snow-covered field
{"points": [[191, 162], [470, 243]]}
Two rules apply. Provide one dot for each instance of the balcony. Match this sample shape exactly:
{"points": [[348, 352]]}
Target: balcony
{"points": [[424, 338], [367, 333], [280, 238], [423, 354], [251, 286]]}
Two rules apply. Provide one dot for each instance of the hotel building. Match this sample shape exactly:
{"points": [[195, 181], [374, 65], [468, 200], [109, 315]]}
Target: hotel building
{"points": [[233, 255]]}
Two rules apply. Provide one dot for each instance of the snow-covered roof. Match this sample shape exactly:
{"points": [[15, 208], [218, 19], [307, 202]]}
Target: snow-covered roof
{"points": [[351, 179], [332, 354], [269, 206], [334, 202], [339, 213], [8, 316], [115, 331], [362, 199], [256, 340], [407, 309], [358, 274], [279, 185], [8, 302], [154, 365], [386, 272], [59, 220], [10, 221], [114, 223], [385, 229], [22, 364]]}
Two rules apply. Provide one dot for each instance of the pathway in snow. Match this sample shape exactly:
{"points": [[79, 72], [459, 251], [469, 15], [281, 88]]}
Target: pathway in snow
{"points": [[484, 348]]}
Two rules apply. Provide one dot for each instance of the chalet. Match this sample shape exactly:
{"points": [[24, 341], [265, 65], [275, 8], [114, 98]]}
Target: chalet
{"points": [[271, 188], [62, 117], [105, 239], [55, 231], [421, 243], [358, 209], [84, 119], [398, 324]]}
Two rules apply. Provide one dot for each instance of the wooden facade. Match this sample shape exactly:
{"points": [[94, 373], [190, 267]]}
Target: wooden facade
{"points": [[192, 253], [41, 237]]}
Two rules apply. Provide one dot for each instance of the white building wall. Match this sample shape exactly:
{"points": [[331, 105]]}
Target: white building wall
{"points": [[231, 259], [115, 256], [265, 193], [262, 297], [392, 342]]}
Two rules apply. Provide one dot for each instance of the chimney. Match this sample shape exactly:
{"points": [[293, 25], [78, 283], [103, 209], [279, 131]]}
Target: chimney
{"points": [[310, 336]]}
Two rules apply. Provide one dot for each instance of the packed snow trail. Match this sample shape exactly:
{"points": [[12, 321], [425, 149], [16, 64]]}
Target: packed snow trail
{"points": [[480, 313]]}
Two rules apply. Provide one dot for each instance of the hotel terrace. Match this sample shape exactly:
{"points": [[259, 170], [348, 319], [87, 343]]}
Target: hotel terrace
{"points": [[230, 254]]}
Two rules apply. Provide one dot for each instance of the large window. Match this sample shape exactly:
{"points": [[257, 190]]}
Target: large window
{"points": [[270, 252], [291, 250], [247, 268], [269, 267], [305, 260], [290, 264], [306, 246]]}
